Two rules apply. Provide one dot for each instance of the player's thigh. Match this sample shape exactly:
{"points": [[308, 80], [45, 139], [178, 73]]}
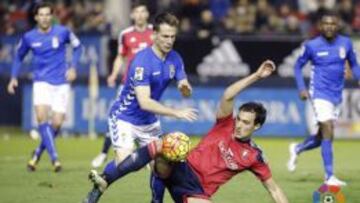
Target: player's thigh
{"points": [[60, 98], [197, 200], [42, 113], [147, 133], [121, 134], [57, 120], [325, 110], [41, 100]]}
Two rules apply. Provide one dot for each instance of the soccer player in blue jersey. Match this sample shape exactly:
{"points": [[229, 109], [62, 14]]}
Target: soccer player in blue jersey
{"points": [[328, 54], [131, 40], [133, 117], [51, 75]]}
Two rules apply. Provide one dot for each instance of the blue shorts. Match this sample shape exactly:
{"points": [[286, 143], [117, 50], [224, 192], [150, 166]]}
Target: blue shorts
{"points": [[183, 183]]}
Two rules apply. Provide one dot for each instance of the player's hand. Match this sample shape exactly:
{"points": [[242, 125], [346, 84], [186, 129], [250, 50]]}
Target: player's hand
{"points": [[188, 114], [185, 88], [266, 69], [111, 80], [304, 95], [12, 85], [70, 74]]}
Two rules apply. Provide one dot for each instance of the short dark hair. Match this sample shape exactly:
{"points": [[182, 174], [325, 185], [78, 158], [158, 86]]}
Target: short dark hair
{"points": [[138, 4], [167, 18], [43, 5], [328, 13], [256, 108]]}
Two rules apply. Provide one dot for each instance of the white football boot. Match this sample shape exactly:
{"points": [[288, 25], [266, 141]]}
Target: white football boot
{"points": [[291, 164], [335, 181]]}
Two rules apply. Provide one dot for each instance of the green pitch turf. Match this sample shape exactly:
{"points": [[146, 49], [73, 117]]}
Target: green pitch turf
{"points": [[71, 185]]}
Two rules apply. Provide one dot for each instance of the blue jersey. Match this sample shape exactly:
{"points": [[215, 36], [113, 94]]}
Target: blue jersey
{"points": [[146, 69], [49, 53], [328, 71]]}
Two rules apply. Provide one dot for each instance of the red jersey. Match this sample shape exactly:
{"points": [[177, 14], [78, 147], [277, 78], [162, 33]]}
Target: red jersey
{"points": [[131, 41], [219, 157]]}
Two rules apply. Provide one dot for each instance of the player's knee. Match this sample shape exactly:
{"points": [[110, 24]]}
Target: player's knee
{"points": [[56, 125], [121, 154], [162, 167], [197, 200], [327, 129], [41, 118]]}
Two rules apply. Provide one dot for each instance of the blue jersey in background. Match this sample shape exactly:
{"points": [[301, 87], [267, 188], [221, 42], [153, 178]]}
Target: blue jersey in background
{"points": [[147, 69], [328, 71], [49, 53]]}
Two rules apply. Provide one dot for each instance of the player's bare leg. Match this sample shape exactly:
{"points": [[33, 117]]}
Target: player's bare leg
{"points": [[197, 200]]}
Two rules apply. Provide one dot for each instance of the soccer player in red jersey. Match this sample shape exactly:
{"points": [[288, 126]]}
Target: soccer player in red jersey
{"points": [[225, 151], [130, 41]]}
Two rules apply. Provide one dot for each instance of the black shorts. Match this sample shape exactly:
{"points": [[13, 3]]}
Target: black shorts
{"points": [[183, 183]]}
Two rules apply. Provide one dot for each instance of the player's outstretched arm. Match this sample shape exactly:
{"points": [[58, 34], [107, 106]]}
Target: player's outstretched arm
{"points": [[275, 191], [151, 105], [118, 62], [227, 100]]}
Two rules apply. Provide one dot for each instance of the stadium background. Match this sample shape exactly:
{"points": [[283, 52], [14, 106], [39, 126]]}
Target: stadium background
{"points": [[220, 41]]}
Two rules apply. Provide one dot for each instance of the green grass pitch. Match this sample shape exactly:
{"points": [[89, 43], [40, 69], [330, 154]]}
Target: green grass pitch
{"points": [[71, 185]]}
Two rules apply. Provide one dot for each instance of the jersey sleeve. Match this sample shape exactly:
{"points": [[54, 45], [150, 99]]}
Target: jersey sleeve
{"points": [[122, 49], [72, 39], [351, 57], [76, 45], [300, 63], [180, 69], [261, 169], [138, 73], [21, 51]]}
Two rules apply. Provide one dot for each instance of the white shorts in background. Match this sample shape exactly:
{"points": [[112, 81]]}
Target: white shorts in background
{"points": [[124, 135], [55, 96], [325, 110]]}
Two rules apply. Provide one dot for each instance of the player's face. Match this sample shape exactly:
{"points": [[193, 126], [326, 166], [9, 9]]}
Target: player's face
{"points": [[329, 26], [140, 15], [43, 18], [245, 126], [164, 39]]}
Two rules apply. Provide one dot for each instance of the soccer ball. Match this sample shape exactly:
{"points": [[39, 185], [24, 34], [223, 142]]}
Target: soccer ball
{"points": [[176, 146]]}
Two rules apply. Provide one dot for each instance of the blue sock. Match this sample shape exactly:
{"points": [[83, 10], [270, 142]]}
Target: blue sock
{"points": [[157, 188], [40, 149], [309, 143], [47, 136], [106, 145], [131, 163], [327, 155]]}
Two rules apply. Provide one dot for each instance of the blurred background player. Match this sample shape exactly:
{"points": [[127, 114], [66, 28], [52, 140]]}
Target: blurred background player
{"points": [[51, 75], [133, 116], [225, 151], [328, 54], [130, 41]]}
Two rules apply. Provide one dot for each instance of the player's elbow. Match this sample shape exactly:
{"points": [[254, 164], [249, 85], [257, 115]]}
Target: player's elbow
{"points": [[144, 104], [228, 95]]}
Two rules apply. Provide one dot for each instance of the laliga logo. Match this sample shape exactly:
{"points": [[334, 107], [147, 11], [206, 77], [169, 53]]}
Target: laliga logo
{"points": [[328, 194]]}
